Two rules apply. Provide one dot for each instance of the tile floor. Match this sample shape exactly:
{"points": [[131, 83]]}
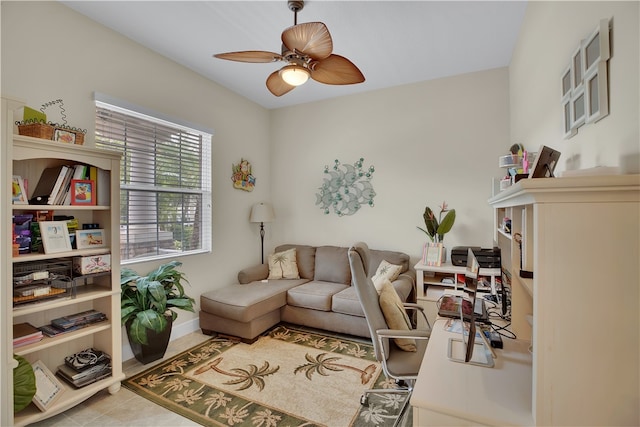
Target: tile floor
{"points": [[126, 408]]}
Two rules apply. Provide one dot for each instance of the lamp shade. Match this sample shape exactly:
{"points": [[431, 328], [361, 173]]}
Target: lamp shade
{"points": [[262, 212], [294, 75]]}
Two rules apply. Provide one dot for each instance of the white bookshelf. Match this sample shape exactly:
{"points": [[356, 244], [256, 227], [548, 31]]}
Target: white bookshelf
{"points": [[27, 156]]}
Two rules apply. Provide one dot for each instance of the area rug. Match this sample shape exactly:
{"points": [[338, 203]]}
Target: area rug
{"points": [[288, 377]]}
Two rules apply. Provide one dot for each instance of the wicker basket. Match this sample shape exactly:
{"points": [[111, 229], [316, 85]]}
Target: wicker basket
{"points": [[37, 130], [48, 131]]}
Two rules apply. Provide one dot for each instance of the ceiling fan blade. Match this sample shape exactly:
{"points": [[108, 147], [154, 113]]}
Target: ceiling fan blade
{"points": [[311, 38], [250, 56], [336, 70], [277, 86]]}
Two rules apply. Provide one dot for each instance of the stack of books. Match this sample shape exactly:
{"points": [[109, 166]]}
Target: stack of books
{"points": [[86, 367], [77, 320], [25, 333]]}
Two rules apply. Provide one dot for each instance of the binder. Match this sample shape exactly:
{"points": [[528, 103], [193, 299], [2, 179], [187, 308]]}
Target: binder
{"points": [[50, 181]]}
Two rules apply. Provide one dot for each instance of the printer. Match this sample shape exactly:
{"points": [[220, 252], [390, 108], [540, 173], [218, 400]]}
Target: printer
{"points": [[487, 257]]}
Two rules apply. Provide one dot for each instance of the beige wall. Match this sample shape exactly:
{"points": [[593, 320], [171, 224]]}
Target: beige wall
{"points": [[550, 34], [429, 142], [49, 51]]}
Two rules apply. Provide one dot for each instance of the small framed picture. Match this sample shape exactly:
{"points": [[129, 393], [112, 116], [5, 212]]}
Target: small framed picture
{"points": [[433, 256], [88, 239], [55, 236], [48, 388], [83, 192], [18, 191], [65, 136]]}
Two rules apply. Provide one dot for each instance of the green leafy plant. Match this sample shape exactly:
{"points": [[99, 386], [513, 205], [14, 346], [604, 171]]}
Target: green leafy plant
{"points": [[24, 384], [437, 228], [146, 300]]}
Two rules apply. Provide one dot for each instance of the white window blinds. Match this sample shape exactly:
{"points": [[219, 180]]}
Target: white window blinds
{"points": [[165, 178]]}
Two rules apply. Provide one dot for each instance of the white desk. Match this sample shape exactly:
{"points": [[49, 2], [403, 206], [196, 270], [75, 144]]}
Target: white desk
{"points": [[452, 393]]}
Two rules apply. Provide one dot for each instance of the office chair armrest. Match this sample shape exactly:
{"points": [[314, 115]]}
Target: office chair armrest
{"points": [[399, 333], [419, 309], [413, 306]]}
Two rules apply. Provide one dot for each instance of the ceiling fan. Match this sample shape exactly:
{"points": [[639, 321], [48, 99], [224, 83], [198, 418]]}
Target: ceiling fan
{"points": [[306, 48]]}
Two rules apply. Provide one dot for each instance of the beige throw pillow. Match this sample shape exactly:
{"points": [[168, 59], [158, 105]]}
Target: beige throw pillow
{"points": [[282, 265], [396, 315], [385, 270]]}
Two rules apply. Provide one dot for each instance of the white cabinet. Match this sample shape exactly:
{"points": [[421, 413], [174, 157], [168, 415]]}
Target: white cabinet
{"points": [[580, 238], [27, 157]]}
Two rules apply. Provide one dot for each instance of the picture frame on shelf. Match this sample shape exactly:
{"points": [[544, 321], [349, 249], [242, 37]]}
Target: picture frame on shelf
{"points": [[48, 388], [55, 236], [83, 192], [433, 254], [61, 135], [90, 239], [18, 191]]}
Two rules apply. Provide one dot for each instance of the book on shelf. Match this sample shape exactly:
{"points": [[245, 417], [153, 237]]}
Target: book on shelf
{"points": [[85, 367], [52, 331], [79, 319], [25, 333], [81, 379]]}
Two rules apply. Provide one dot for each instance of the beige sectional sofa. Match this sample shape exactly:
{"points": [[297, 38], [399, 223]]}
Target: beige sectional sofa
{"points": [[322, 297]]}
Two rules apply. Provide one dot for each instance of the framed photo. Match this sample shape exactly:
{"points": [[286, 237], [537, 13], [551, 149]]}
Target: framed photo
{"points": [[596, 93], [88, 239], [433, 255], [65, 136], [597, 46], [83, 192], [55, 236], [48, 388], [18, 191]]}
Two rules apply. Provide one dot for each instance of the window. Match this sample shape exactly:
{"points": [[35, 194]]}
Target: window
{"points": [[165, 179]]}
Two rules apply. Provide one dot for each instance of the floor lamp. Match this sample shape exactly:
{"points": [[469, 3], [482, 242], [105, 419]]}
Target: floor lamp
{"points": [[262, 212]]}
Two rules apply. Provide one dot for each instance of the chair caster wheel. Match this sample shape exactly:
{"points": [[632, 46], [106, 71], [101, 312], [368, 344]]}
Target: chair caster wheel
{"points": [[364, 400]]}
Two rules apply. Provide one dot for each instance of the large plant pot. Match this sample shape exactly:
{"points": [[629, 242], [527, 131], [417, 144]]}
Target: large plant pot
{"points": [[157, 347]]}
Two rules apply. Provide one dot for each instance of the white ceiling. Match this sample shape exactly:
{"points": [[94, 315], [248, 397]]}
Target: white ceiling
{"points": [[392, 42]]}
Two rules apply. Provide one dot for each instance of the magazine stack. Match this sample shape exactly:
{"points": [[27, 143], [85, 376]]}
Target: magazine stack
{"points": [[78, 320], [86, 367]]}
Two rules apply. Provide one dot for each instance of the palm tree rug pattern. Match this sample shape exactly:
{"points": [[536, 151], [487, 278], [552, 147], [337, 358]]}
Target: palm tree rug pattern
{"points": [[288, 377]]}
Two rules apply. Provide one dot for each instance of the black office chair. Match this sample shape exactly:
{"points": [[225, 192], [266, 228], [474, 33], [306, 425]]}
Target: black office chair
{"points": [[397, 364]]}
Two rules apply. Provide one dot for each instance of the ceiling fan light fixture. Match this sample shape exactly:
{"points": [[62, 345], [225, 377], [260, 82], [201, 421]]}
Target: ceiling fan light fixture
{"points": [[294, 75]]}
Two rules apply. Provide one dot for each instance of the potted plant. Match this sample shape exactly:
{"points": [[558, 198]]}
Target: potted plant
{"points": [[437, 228], [146, 308]]}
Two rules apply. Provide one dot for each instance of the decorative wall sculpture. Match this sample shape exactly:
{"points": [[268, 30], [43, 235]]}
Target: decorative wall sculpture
{"points": [[242, 178], [346, 188]]}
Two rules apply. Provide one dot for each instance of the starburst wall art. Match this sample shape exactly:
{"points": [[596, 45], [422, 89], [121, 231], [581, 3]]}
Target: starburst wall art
{"points": [[346, 188]]}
